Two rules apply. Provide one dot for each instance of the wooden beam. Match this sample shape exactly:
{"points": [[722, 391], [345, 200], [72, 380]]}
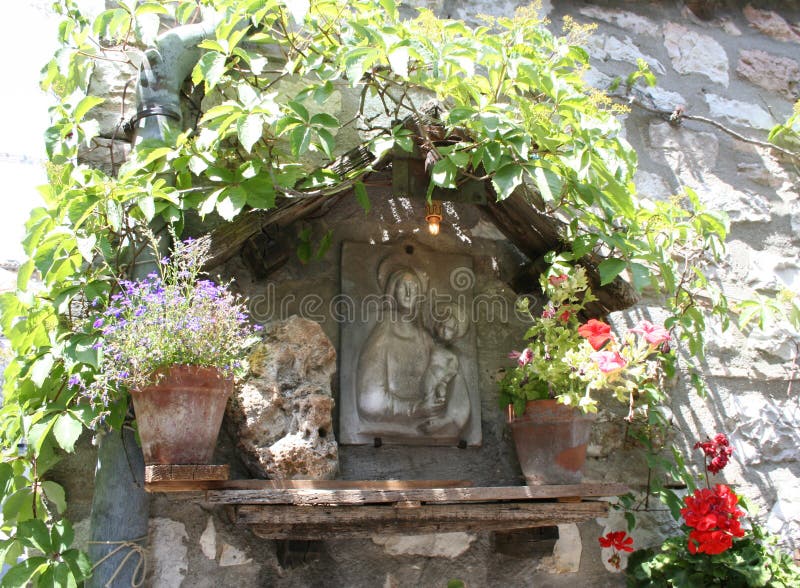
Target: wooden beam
{"points": [[266, 485], [296, 522], [363, 495], [535, 234]]}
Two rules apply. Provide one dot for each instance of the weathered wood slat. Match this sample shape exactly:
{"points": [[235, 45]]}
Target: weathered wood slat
{"points": [[383, 518], [237, 485], [174, 473], [363, 495]]}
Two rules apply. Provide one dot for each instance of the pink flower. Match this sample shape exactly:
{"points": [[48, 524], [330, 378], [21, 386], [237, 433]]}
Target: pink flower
{"points": [[608, 361], [654, 335], [557, 280], [525, 357]]}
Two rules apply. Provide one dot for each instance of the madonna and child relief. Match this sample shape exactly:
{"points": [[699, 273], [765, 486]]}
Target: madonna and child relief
{"points": [[408, 371]]}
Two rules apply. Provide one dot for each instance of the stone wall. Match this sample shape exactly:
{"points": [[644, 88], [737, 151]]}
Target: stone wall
{"points": [[740, 70]]}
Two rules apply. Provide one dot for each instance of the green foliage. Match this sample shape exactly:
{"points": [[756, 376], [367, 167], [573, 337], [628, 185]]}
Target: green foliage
{"points": [[752, 561], [571, 362]]}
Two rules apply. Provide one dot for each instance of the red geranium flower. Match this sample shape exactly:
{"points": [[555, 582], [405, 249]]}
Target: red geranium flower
{"points": [[714, 519], [557, 280], [564, 316], [618, 540], [597, 332], [718, 451]]}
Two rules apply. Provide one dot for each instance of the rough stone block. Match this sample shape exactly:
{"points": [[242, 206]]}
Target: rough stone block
{"points": [[771, 72], [281, 414], [692, 52]]}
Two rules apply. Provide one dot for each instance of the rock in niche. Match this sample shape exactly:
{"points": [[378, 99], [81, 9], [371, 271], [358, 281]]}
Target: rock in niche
{"points": [[281, 413]]}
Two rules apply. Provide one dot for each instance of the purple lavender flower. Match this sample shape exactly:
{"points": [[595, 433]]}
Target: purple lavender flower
{"points": [[98, 323], [75, 380]]}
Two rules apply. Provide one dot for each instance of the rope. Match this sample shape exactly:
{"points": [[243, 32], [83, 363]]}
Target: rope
{"points": [[140, 571]]}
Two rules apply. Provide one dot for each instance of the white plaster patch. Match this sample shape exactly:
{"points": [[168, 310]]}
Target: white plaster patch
{"points": [[231, 556], [784, 517], [634, 23], [610, 47], [692, 52], [448, 545], [765, 430], [664, 99], [566, 558], [208, 540], [738, 112], [168, 553]]}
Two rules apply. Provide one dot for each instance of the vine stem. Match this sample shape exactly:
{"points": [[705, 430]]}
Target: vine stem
{"points": [[676, 116]]}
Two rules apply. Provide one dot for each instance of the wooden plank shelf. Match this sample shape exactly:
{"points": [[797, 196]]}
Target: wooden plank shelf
{"points": [[366, 495], [321, 522], [327, 509]]}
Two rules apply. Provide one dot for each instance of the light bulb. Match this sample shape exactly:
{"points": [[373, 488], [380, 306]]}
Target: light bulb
{"points": [[433, 227]]}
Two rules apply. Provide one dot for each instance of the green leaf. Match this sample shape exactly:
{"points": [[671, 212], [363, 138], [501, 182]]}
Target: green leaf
{"points": [[249, 129], [300, 139], [324, 119], [327, 142], [85, 105], [325, 244], [444, 173], [610, 269], [361, 195], [37, 534], [41, 369], [86, 246], [79, 563], [506, 179], [66, 430], [231, 202], [114, 214], [19, 506], [147, 205], [55, 495], [209, 69], [19, 575], [548, 183]]}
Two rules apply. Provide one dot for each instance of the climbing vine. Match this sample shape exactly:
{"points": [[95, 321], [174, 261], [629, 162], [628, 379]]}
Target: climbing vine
{"points": [[510, 97]]}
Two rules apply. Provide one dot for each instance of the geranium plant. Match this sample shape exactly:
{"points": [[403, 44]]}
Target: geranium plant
{"points": [[171, 317], [713, 548], [570, 360]]}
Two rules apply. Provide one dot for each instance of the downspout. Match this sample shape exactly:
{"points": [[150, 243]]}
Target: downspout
{"points": [[120, 506]]}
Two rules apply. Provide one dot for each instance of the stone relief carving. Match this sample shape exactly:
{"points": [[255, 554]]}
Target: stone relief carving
{"points": [[408, 356]]}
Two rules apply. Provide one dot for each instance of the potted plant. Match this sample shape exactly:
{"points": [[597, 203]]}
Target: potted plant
{"points": [[174, 341], [716, 545], [549, 393]]}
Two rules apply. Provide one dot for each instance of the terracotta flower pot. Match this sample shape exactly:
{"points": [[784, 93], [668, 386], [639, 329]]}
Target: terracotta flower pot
{"points": [[180, 416], [551, 441]]}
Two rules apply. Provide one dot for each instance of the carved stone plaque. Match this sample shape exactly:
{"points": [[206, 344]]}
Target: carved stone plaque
{"points": [[408, 360]]}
